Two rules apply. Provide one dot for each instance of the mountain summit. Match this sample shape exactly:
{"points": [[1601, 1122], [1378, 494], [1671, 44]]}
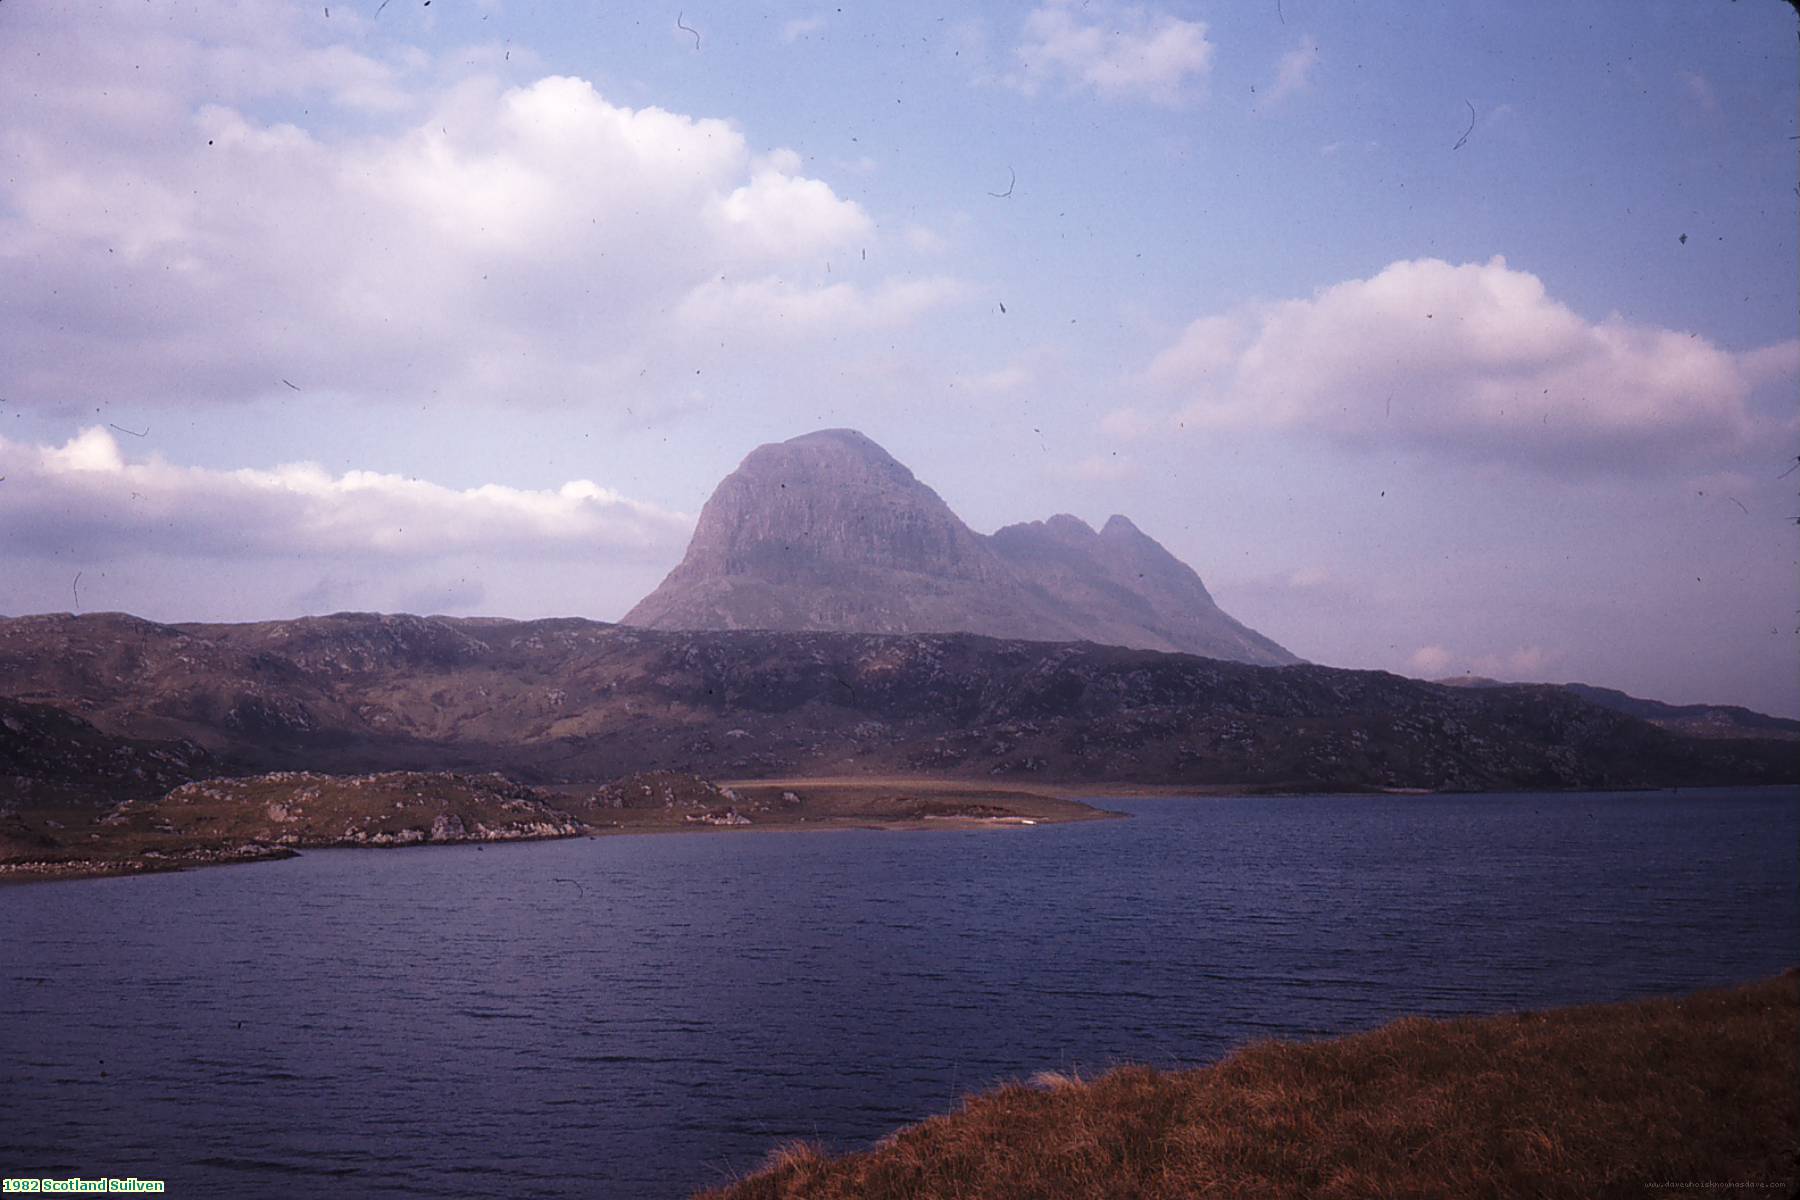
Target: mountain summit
{"points": [[828, 531]]}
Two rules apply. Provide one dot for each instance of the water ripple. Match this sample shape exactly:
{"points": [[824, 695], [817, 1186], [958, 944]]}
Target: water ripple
{"points": [[447, 1023]]}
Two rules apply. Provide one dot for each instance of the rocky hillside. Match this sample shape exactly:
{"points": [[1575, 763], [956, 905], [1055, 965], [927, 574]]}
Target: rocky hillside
{"points": [[47, 754], [828, 532], [393, 808], [661, 790], [1690, 720], [1693, 720], [571, 700]]}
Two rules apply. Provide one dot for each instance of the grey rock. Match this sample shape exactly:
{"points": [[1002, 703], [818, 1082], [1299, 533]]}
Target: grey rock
{"points": [[828, 532]]}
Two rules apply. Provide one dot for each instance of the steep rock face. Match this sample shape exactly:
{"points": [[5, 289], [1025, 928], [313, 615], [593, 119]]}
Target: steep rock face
{"points": [[828, 532], [1128, 590]]}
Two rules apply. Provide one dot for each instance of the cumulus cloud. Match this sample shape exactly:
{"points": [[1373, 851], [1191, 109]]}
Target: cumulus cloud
{"points": [[86, 497], [1294, 72], [1116, 52], [1473, 359], [174, 225]]}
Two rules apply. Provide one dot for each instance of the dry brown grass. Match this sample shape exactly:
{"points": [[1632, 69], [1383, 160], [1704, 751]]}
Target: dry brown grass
{"points": [[1609, 1100]]}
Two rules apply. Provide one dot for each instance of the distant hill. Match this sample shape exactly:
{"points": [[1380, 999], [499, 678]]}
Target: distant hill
{"points": [[572, 700], [827, 532], [1693, 720]]}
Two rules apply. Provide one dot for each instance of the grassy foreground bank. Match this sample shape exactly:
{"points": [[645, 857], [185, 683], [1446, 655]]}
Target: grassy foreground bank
{"points": [[1657, 1097]]}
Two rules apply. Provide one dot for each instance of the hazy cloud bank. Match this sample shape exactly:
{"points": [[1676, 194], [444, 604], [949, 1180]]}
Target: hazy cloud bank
{"points": [[87, 499]]}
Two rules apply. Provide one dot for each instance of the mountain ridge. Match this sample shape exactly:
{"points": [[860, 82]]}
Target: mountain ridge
{"points": [[1690, 720], [574, 700]]}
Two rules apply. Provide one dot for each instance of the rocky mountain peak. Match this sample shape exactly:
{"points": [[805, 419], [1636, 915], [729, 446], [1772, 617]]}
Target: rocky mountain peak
{"points": [[1119, 527], [847, 441], [1070, 528], [827, 531], [808, 509]]}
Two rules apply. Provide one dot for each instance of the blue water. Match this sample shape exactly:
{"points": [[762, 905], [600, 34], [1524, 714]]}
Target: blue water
{"points": [[641, 1016]]}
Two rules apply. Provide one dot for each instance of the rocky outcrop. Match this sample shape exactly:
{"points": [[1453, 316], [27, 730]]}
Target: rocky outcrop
{"points": [[390, 808], [829, 532], [660, 789]]}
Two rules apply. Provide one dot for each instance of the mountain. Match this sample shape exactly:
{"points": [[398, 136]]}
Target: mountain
{"points": [[1691, 720], [828, 532], [567, 700]]}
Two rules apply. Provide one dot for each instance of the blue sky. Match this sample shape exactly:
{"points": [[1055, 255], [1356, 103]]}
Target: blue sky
{"points": [[1438, 339]]}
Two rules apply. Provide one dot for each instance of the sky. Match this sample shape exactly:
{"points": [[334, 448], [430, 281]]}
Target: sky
{"points": [[1439, 339]]}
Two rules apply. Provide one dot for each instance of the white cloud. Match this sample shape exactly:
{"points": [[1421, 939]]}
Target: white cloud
{"points": [[1117, 52], [1475, 360], [166, 238], [1431, 661], [799, 27], [780, 214], [1294, 72], [1771, 363], [86, 497]]}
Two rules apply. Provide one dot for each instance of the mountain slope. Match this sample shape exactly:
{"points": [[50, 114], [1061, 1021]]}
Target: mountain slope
{"points": [[579, 701], [1690, 720], [1694, 720], [829, 532], [1123, 588]]}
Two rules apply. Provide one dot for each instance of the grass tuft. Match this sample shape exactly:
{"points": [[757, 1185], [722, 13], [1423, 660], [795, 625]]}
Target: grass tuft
{"points": [[1634, 1099], [1055, 1081]]}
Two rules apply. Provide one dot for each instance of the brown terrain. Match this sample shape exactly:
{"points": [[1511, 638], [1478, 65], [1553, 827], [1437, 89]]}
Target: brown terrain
{"points": [[68, 832], [567, 700], [1692, 720], [422, 717], [1611, 1100]]}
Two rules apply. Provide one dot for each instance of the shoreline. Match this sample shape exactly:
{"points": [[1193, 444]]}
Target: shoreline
{"points": [[1041, 804], [848, 804]]}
